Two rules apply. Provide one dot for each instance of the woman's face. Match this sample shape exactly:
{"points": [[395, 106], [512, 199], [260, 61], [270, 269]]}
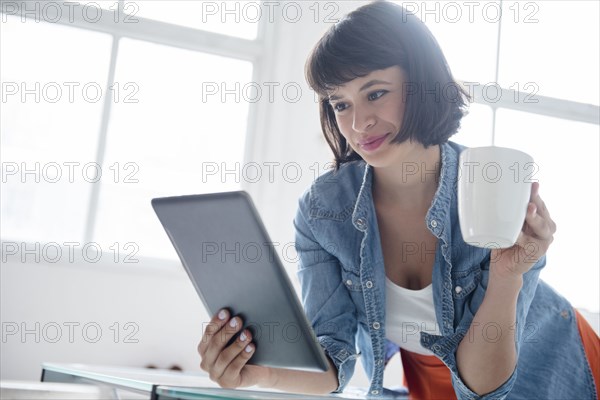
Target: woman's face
{"points": [[369, 113]]}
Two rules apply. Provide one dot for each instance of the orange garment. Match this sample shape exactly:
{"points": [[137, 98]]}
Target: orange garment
{"points": [[428, 378], [591, 345]]}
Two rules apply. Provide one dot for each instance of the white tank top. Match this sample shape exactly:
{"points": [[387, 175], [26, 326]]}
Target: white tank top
{"points": [[407, 314]]}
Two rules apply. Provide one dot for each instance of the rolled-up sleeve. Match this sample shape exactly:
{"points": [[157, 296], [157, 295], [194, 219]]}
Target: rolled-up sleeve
{"points": [[326, 300], [530, 283]]}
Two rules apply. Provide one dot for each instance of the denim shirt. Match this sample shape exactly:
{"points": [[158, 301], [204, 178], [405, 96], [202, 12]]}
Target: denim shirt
{"points": [[342, 276]]}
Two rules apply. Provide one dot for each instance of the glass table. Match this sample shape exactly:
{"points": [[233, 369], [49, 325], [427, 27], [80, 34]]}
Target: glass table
{"points": [[112, 380], [183, 393], [156, 384]]}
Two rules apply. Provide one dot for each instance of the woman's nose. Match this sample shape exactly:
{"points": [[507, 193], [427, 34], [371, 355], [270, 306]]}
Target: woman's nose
{"points": [[363, 120]]}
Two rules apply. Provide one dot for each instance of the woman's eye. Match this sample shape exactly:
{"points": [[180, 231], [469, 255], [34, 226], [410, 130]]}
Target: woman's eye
{"points": [[339, 107], [377, 94]]}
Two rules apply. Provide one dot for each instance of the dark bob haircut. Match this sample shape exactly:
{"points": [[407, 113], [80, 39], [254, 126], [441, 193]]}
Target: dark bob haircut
{"points": [[376, 36]]}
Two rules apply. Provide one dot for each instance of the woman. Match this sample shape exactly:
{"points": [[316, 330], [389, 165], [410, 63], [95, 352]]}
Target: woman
{"points": [[383, 265]]}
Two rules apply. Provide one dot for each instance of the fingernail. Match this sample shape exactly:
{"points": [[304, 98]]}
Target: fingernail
{"points": [[248, 349], [222, 315], [243, 337], [233, 323]]}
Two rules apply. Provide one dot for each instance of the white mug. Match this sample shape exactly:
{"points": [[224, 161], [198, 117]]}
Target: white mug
{"points": [[494, 186]]}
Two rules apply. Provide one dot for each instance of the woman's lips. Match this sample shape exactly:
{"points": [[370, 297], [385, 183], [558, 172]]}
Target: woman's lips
{"points": [[372, 143]]}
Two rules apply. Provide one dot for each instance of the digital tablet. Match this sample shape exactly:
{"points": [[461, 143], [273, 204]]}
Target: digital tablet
{"points": [[227, 253]]}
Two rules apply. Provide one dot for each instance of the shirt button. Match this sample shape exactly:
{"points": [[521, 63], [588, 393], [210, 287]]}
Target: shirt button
{"points": [[369, 284], [433, 223], [361, 222], [374, 391], [458, 289], [379, 362], [349, 282], [376, 325]]}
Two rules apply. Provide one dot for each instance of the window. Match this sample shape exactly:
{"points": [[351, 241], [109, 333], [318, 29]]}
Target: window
{"points": [[110, 104], [556, 44], [234, 18], [533, 70], [169, 139], [50, 122]]}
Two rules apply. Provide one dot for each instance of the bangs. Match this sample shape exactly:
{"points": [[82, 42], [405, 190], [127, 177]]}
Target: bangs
{"points": [[339, 58]]}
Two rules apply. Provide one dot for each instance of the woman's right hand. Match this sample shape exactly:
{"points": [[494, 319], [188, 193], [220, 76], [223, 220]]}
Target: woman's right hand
{"points": [[227, 365]]}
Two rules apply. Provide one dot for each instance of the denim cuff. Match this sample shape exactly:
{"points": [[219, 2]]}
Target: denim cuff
{"points": [[342, 357], [463, 392], [445, 348]]}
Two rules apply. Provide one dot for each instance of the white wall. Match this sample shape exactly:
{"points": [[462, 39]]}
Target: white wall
{"points": [[158, 301]]}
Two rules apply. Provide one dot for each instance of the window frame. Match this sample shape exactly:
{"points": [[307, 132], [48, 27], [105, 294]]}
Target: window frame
{"points": [[158, 32]]}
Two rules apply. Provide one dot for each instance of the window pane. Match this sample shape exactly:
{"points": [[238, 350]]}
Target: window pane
{"points": [[476, 127], [234, 18], [51, 112], [553, 44], [467, 32], [170, 140], [567, 155]]}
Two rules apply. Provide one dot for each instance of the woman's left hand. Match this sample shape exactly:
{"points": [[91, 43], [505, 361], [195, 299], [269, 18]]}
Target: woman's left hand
{"points": [[534, 240]]}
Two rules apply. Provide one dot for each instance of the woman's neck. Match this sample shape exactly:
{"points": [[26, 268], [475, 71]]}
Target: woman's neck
{"points": [[409, 184]]}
